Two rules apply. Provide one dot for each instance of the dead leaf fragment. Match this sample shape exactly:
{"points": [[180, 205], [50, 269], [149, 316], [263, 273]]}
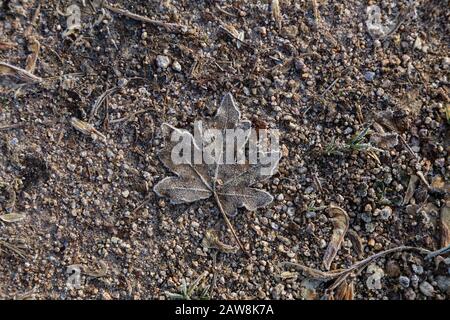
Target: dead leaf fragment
{"points": [[86, 128], [103, 271], [12, 217], [73, 14], [385, 141], [211, 240], [276, 12], [340, 221], [34, 47], [445, 226], [356, 242], [411, 189], [345, 291]]}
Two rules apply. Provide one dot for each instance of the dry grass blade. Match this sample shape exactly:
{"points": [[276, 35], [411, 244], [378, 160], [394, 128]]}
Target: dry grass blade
{"points": [[16, 249], [12, 217], [340, 221], [11, 126], [316, 10], [7, 69], [276, 12], [171, 27], [86, 128], [99, 102]]}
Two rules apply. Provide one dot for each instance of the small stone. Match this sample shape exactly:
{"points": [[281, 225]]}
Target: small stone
{"points": [[162, 61], [443, 283], [176, 66], [322, 243], [369, 75], [417, 269], [110, 154], [125, 193], [311, 214], [392, 269], [410, 294], [348, 130], [309, 190], [115, 240], [418, 44], [427, 289], [386, 213], [280, 197], [373, 282], [404, 281]]}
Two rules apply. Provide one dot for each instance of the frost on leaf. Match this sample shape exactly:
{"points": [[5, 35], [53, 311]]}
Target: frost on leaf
{"points": [[229, 183]]}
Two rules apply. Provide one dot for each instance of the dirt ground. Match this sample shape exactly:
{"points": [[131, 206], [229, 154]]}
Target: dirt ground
{"points": [[364, 121]]}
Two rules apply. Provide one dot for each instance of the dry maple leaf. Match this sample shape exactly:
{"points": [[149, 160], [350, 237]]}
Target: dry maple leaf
{"points": [[229, 184]]}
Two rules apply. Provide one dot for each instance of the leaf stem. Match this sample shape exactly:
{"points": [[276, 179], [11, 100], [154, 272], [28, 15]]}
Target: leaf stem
{"points": [[230, 226]]}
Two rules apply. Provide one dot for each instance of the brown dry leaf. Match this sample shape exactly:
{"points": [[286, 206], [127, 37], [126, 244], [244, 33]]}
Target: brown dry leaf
{"points": [[211, 240], [7, 69], [34, 47], [356, 242], [445, 226], [276, 12], [12, 217], [345, 291], [411, 189], [340, 221]]}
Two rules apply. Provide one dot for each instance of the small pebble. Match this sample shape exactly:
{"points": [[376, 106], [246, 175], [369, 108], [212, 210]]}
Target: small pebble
{"points": [[162, 61]]}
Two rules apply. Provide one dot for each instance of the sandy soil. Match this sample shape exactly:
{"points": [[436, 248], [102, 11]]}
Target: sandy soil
{"points": [[314, 70]]}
